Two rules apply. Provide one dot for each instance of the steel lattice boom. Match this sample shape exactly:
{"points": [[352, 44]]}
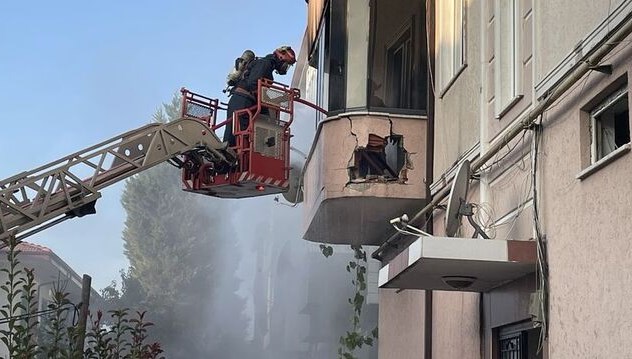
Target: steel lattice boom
{"points": [[69, 187]]}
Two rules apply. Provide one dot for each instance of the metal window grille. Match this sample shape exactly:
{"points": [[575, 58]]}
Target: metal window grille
{"points": [[199, 111], [276, 97], [513, 346]]}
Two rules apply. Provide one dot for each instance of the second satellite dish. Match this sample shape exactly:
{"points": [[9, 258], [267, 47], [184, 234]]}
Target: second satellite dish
{"points": [[295, 192], [458, 205], [458, 196]]}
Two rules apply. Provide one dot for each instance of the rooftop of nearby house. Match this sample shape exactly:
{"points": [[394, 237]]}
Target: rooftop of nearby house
{"points": [[47, 263], [31, 248]]}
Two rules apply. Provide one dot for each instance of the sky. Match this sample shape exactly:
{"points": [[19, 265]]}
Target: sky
{"points": [[75, 73]]}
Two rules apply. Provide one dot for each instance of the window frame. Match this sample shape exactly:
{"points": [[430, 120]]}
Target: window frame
{"points": [[457, 60], [521, 330], [380, 41], [396, 43], [327, 60], [596, 126], [614, 92], [515, 45]]}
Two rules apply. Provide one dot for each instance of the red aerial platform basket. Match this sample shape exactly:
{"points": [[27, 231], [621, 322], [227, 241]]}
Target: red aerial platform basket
{"points": [[259, 164]]}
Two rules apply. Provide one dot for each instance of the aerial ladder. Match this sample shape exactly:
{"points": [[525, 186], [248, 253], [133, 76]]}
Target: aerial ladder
{"points": [[258, 165]]}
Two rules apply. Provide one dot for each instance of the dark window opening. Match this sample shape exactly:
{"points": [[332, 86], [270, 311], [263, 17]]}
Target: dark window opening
{"points": [[337, 55], [516, 343], [398, 57], [383, 158], [513, 346], [610, 124]]}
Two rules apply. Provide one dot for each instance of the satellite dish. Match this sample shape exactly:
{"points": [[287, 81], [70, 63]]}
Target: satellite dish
{"points": [[458, 206], [295, 191], [458, 196]]}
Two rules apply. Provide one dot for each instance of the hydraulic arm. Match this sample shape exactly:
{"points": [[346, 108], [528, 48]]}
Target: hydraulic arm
{"points": [[69, 187], [258, 165]]}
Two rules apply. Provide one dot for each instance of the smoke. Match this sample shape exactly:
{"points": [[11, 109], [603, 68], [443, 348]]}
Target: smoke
{"points": [[273, 265], [296, 299]]}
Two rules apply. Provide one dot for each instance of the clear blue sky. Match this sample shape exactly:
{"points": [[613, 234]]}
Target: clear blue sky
{"points": [[74, 73]]}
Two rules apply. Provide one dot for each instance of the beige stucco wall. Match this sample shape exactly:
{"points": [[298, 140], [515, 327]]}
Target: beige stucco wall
{"points": [[587, 224], [455, 332], [401, 324], [457, 113], [561, 24]]}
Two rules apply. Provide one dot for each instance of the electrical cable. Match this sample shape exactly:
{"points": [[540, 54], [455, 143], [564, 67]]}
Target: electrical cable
{"points": [[542, 264], [39, 313], [403, 231], [484, 217], [498, 160]]}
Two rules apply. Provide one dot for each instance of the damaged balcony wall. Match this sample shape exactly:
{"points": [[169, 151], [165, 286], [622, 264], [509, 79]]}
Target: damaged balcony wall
{"points": [[381, 159], [363, 171]]}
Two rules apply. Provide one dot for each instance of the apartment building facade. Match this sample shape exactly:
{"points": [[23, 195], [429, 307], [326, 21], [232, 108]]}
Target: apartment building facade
{"points": [[528, 101]]}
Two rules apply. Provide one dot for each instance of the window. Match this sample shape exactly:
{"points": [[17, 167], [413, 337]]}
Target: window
{"points": [[328, 57], [319, 62], [508, 64], [610, 125], [398, 71], [517, 341], [450, 39], [513, 346], [398, 60]]}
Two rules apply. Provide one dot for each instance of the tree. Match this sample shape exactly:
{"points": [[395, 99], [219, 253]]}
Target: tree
{"points": [[182, 263]]}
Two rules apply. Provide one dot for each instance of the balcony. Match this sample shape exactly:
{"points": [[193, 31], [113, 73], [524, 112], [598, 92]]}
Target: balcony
{"points": [[363, 169], [459, 264]]}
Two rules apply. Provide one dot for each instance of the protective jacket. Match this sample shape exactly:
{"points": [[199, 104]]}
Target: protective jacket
{"points": [[261, 68]]}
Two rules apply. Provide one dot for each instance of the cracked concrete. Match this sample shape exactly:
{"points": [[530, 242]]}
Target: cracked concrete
{"points": [[330, 197], [384, 130]]}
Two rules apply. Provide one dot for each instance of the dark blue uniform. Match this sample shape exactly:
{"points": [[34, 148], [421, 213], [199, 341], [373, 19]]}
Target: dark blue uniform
{"points": [[261, 68]]}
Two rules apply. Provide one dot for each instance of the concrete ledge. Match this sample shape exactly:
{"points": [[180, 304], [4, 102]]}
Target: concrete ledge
{"points": [[430, 262]]}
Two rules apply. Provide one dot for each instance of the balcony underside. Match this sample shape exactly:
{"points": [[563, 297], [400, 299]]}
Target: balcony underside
{"points": [[358, 220], [462, 264]]}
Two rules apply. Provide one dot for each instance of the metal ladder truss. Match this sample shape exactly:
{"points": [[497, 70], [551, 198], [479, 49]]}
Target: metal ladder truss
{"points": [[69, 187]]}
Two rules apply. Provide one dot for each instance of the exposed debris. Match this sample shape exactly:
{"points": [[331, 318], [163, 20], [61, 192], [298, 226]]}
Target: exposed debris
{"points": [[382, 159]]}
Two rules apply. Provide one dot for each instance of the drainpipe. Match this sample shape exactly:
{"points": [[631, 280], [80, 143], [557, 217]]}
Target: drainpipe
{"points": [[484, 179], [430, 105], [526, 121]]}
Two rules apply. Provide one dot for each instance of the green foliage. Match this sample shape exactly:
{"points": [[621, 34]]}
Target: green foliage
{"points": [[26, 328], [57, 327], [52, 334], [327, 251], [127, 339], [355, 338], [99, 339], [12, 289], [119, 331]]}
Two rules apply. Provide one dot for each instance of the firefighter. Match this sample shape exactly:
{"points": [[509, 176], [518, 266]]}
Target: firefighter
{"points": [[244, 93]]}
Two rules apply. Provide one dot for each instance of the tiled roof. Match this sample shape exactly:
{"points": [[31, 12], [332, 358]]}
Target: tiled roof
{"points": [[30, 248]]}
